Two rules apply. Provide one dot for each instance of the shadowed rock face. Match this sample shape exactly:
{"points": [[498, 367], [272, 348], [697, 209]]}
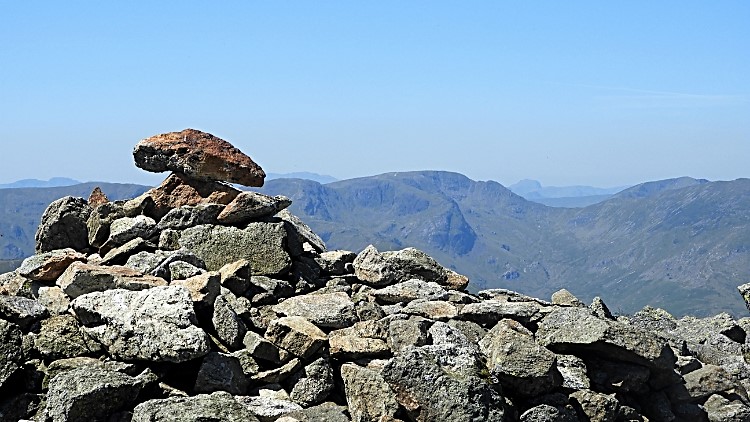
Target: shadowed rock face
{"points": [[198, 155]]}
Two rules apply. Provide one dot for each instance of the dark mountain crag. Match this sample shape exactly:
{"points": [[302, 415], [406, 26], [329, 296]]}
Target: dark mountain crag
{"points": [[196, 301]]}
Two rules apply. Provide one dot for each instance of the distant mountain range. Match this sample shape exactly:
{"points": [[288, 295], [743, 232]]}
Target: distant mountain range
{"points": [[320, 178], [563, 196], [680, 244], [36, 183]]}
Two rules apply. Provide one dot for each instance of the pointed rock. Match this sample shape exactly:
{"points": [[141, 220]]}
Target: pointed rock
{"points": [[64, 225], [198, 155], [97, 197]]}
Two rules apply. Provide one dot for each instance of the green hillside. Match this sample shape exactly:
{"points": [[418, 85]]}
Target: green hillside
{"points": [[683, 245]]}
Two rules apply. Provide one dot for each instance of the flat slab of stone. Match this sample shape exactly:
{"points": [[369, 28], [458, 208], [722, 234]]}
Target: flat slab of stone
{"points": [[81, 278], [383, 269], [219, 406], [262, 244], [249, 205], [157, 325], [296, 335], [198, 155], [49, 265], [328, 310]]}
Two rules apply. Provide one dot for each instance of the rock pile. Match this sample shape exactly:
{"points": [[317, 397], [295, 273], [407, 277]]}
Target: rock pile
{"points": [[197, 301]]}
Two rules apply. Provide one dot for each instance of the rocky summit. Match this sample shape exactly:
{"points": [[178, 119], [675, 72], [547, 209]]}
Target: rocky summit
{"points": [[198, 302]]}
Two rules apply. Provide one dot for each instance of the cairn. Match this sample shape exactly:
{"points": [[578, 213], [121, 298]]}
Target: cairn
{"points": [[197, 301]]}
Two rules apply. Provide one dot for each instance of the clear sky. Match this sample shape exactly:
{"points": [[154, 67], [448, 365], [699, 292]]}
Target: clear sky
{"points": [[600, 93]]}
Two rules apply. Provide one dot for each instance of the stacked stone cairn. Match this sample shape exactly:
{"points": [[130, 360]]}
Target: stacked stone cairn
{"points": [[200, 302]]}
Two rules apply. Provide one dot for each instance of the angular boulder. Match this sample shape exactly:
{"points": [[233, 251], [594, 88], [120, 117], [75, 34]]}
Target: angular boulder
{"points": [[157, 325], [89, 393], [578, 330], [21, 311], [368, 395], [198, 155], [64, 225], [296, 335], [518, 362]]}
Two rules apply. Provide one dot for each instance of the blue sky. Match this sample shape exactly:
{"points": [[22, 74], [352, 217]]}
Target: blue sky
{"points": [[579, 92]]}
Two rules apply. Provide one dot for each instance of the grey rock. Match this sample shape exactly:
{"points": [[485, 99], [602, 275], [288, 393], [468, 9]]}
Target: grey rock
{"points": [[63, 225], [745, 293], [363, 339], [428, 391], [518, 362], [100, 219], [563, 297], [188, 216], [296, 335], [382, 269], [367, 310], [126, 229], [181, 270], [409, 290], [706, 381], [720, 409], [249, 365], [301, 232], [328, 412], [574, 372], [576, 329], [403, 334], [260, 348], [169, 240], [596, 406], [61, 337], [229, 327], [203, 288], [313, 384], [260, 243], [368, 395], [547, 413], [335, 262], [81, 278], [268, 409], [157, 324], [489, 312], [471, 330], [10, 350], [219, 406], [437, 310], [330, 310], [21, 311], [221, 372], [48, 266], [121, 254], [14, 284], [164, 268], [145, 261], [276, 289], [252, 205], [277, 375], [600, 309], [236, 276], [54, 299], [89, 393]]}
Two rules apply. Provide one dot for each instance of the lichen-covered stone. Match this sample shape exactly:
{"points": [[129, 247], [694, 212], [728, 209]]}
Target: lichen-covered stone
{"points": [[262, 244], [328, 310], [219, 406], [158, 324], [48, 266], [249, 205]]}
